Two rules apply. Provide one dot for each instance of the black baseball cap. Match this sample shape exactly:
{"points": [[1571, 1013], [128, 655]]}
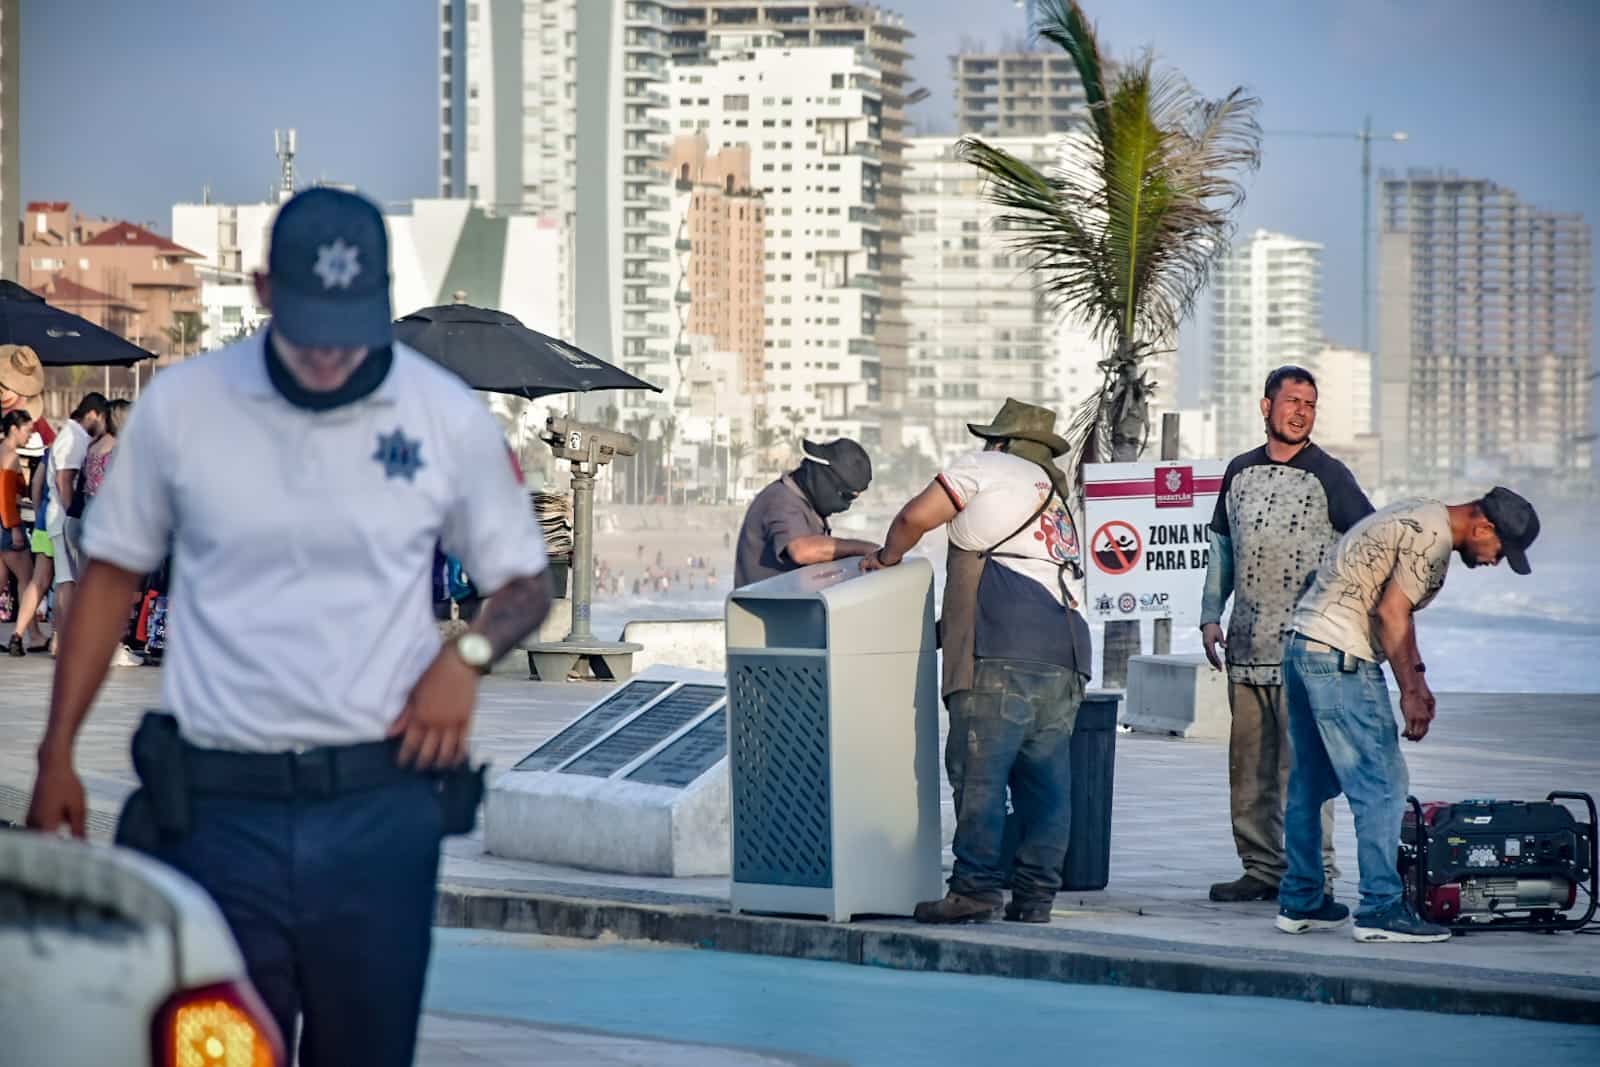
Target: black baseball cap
{"points": [[1515, 521], [329, 266], [847, 458]]}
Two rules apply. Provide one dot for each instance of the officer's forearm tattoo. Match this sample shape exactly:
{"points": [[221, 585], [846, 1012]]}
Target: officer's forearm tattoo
{"points": [[514, 612]]}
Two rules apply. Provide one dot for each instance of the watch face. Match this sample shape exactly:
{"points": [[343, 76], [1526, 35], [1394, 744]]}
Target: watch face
{"points": [[475, 649]]}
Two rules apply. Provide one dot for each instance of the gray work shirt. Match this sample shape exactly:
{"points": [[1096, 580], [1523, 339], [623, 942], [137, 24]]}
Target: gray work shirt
{"points": [[779, 514], [1281, 520]]}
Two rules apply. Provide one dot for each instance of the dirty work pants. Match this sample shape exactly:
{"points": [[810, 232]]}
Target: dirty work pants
{"points": [[331, 901], [1345, 741], [1259, 758], [1012, 729]]}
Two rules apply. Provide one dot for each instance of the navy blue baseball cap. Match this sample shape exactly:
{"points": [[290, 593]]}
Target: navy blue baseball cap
{"points": [[329, 266]]}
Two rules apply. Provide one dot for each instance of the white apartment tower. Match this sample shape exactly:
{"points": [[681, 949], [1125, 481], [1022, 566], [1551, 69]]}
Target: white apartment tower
{"points": [[980, 332], [1267, 313], [534, 93], [1344, 396], [10, 133], [810, 117]]}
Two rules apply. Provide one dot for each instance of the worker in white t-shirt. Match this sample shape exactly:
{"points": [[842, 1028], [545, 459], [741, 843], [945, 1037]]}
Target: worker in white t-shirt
{"points": [[1016, 658], [315, 745]]}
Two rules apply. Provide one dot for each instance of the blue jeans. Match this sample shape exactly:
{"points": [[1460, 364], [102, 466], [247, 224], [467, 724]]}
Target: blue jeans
{"points": [[331, 901], [1342, 729], [1012, 729]]}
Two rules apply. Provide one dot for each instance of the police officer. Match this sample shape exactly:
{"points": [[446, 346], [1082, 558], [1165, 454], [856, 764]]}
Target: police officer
{"points": [[312, 758], [786, 525]]}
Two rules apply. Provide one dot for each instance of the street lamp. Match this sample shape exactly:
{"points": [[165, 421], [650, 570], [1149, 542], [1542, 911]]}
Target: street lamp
{"points": [[1366, 137]]}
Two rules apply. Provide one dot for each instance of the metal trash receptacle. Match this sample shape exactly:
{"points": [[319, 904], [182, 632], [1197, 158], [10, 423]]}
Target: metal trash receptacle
{"points": [[833, 742], [1094, 762]]}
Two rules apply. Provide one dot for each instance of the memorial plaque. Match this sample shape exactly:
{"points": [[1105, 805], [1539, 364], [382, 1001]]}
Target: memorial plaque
{"points": [[594, 722], [690, 756], [659, 722]]}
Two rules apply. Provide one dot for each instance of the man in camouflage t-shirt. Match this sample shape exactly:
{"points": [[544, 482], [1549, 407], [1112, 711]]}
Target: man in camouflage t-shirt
{"points": [[1282, 506], [1359, 611]]}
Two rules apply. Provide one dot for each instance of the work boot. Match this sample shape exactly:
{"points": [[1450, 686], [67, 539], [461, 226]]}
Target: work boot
{"points": [[955, 908], [1245, 887], [1028, 911]]}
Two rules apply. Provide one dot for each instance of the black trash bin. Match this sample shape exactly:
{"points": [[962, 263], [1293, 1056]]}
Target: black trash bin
{"points": [[1094, 764]]}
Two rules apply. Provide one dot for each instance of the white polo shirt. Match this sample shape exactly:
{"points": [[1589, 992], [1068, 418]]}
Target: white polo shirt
{"points": [[303, 541]]}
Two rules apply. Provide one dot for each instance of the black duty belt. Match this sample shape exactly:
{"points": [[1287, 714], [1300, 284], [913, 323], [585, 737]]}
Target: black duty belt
{"points": [[316, 772]]}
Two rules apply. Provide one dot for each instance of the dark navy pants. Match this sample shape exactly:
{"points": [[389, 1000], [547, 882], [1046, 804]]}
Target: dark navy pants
{"points": [[331, 900], [1012, 731]]}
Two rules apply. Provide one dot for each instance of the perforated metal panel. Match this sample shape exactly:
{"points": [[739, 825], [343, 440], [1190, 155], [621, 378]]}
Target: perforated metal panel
{"points": [[782, 832], [582, 733], [649, 729], [691, 755]]}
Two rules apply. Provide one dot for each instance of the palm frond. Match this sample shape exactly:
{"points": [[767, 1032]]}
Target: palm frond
{"points": [[1050, 219], [1063, 24]]}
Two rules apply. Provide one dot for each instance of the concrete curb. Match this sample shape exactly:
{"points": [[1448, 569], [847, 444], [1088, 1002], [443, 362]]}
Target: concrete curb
{"points": [[1117, 961]]}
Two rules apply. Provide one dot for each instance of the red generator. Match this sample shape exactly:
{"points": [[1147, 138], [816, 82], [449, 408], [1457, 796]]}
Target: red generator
{"points": [[1501, 864]]}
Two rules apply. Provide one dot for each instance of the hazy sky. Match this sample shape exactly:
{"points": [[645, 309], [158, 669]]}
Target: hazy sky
{"points": [[130, 106]]}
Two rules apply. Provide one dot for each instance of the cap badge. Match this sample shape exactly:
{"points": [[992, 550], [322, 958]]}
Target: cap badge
{"points": [[338, 264]]}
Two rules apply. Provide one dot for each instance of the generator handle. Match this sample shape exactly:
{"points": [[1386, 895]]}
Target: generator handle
{"points": [[1421, 860], [1594, 852]]}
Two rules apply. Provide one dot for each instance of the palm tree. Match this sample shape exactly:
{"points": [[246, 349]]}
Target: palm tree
{"points": [[795, 419], [737, 450], [1123, 236], [185, 330], [669, 437]]}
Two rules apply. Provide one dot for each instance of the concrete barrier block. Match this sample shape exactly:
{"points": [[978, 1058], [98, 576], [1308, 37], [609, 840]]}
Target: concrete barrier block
{"points": [[698, 644], [1178, 695]]}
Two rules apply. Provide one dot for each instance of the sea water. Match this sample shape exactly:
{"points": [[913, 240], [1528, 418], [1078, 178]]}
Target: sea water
{"points": [[1489, 630]]}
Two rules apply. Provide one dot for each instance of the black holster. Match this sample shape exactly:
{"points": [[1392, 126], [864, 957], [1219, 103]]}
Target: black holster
{"points": [[460, 793], [158, 810]]}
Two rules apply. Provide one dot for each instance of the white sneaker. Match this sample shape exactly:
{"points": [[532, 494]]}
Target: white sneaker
{"points": [[125, 657]]}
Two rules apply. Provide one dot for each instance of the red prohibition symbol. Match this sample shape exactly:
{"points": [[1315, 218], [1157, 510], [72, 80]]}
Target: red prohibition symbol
{"points": [[1116, 546]]}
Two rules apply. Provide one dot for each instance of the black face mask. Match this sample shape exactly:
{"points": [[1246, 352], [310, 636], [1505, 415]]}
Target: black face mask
{"points": [[362, 383], [824, 488]]}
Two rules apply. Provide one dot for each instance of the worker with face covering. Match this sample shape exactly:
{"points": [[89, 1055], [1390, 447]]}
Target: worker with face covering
{"points": [[786, 526]]}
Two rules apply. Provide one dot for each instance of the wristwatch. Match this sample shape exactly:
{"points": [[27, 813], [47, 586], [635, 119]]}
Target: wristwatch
{"points": [[1420, 668], [475, 651]]}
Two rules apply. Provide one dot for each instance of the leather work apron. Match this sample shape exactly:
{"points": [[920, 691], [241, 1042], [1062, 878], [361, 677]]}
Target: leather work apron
{"points": [[958, 623]]}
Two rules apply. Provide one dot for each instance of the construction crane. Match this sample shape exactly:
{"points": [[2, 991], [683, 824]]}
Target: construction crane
{"points": [[1366, 137]]}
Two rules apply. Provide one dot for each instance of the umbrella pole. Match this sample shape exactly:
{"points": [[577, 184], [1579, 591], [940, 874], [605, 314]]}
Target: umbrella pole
{"points": [[582, 552]]}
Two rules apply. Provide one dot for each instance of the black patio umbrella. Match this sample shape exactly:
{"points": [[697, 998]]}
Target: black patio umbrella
{"points": [[59, 338], [491, 350]]}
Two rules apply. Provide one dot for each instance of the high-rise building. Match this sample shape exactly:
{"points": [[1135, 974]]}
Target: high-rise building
{"points": [[534, 93], [980, 331], [697, 27], [719, 261], [1484, 331], [10, 133], [810, 119], [1344, 395], [1016, 93], [1267, 313]]}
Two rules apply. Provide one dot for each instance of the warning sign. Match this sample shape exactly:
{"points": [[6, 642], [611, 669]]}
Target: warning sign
{"points": [[1116, 547], [1151, 543]]}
